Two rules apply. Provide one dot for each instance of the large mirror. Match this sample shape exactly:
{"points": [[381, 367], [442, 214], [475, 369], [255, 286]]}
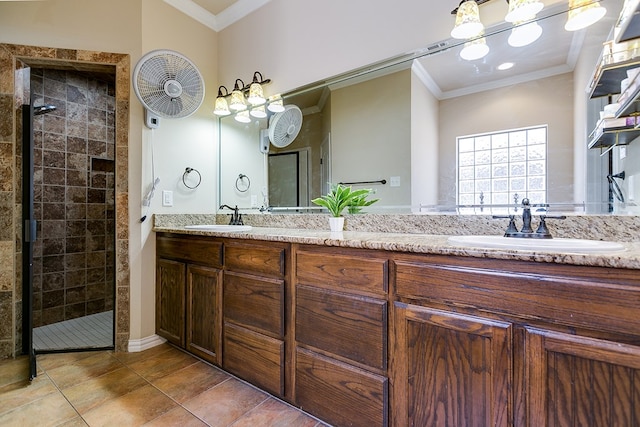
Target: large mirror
{"points": [[408, 127]]}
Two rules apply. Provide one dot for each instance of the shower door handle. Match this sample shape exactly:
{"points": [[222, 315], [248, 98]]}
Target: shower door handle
{"points": [[30, 227]]}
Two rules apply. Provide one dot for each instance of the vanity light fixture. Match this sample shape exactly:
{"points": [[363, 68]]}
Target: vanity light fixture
{"points": [[243, 117], [524, 33], [222, 107], [468, 23], [256, 94], [237, 97], [583, 13], [258, 112], [276, 105], [475, 49], [523, 10]]}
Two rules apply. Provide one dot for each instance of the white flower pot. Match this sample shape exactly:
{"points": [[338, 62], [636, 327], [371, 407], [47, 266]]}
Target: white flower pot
{"points": [[336, 223]]}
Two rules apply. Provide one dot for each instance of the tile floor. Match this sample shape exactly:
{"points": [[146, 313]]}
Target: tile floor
{"points": [[162, 386]]}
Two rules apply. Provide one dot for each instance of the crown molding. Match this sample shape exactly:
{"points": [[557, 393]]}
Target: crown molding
{"points": [[218, 22]]}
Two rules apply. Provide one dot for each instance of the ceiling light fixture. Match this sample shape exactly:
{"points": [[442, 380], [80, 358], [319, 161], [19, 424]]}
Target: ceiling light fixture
{"points": [[505, 66], [583, 13], [468, 23]]}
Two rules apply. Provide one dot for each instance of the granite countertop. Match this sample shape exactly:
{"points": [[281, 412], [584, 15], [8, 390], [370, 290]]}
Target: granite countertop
{"points": [[419, 243]]}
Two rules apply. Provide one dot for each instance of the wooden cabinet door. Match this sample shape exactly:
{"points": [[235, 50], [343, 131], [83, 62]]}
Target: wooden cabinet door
{"points": [[203, 312], [449, 369], [170, 300], [580, 381]]}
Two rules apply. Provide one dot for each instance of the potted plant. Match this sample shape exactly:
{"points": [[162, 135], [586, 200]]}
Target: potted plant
{"points": [[337, 200], [357, 203]]}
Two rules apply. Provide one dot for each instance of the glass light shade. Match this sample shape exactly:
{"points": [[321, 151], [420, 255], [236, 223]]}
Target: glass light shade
{"points": [[468, 23], [525, 34], [237, 101], [243, 117], [521, 10], [258, 112], [256, 95], [583, 13], [275, 105], [475, 49], [221, 108]]}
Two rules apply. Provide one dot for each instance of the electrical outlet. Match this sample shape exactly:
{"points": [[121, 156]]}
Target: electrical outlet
{"points": [[394, 181], [167, 198], [254, 201], [623, 152]]}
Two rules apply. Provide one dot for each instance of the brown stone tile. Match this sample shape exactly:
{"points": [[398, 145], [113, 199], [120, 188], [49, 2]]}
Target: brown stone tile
{"points": [[51, 264], [6, 315], [76, 244], [53, 141], [76, 144], [52, 299], [52, 315], [13, 371], [53, 176], [77, 178], [162, 364], [176, 417], [129, 358], [233, 399], [53, 193], [76, 194], [6, 265], [77, 161], [52, 229], [51, 410], [75, 278], [6, 120], [273, 413], [94, 392], [76, 228], [53, 159], [73, 311], [53, 211], [185, 384], [135, 408], [83, 369], [76, 211], [54, 124], [53, 246], [56, 360], [75, 295], [52, 281]]}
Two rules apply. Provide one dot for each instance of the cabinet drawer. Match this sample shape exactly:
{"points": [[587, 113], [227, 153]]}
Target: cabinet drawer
{"points": [[350, 326], [339, 393], [195, 250], [559, 298], [341, 271], [254, 357], [257, 303], [255, 258]]}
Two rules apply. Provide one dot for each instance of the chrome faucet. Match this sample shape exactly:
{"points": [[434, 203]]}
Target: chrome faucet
{"points": [[542, 232], [236, 217]]}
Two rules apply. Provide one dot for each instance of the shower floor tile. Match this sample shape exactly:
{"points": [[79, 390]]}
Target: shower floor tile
{"points": [[93, 331]]}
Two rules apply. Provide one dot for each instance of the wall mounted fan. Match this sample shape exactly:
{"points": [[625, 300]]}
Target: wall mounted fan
{"points": [[285, 126], [168, 84]]}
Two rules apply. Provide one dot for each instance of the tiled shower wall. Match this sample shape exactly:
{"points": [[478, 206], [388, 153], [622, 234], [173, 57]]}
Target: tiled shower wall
{"points": [[74, 179]]}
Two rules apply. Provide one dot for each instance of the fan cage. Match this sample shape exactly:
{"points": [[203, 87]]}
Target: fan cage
{"points": [[160, 68]]}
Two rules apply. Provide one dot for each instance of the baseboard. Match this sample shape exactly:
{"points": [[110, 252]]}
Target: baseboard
{"points": [[145, 343]]}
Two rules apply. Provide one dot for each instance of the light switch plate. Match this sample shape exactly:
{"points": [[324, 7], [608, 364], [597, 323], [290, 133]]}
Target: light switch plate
{"points": [[167, 198]]}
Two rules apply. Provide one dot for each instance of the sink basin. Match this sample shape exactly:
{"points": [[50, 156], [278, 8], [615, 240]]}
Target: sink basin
{"points": [[218, 227], [538, 245]]}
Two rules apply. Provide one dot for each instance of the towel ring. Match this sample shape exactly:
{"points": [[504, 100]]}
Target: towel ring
{"points": [[240, 185], [186, 173]]}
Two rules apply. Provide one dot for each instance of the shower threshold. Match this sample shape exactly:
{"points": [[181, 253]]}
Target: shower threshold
{"points": [[92, 331]]}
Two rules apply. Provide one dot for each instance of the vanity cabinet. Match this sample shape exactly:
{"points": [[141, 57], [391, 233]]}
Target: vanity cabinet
{"points": [[481, 342], [341, 311], [188, 299], [254, 312]]}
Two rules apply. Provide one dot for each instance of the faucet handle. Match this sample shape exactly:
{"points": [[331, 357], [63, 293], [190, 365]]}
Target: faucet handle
{"points": [[511, 228], [542, 230]]}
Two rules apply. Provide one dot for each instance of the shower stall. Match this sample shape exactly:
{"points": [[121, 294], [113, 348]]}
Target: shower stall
{"points": [[72, 265]]}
